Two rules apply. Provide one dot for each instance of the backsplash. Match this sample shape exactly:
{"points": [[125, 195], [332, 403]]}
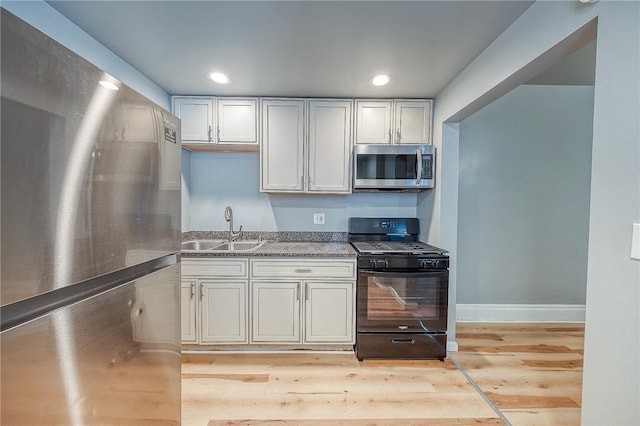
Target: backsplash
{"points": [[213, 181]]}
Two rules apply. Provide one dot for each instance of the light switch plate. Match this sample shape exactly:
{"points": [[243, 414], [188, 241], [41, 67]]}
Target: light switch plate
{"points": [[318, 218], [635, 241]]}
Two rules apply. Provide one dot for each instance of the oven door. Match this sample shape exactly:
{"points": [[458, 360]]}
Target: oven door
{"points": [[402, 301]]}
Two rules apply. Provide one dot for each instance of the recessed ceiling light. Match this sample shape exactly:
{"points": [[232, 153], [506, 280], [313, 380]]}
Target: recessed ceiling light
{"points": [[218, 77], [380, 79]]}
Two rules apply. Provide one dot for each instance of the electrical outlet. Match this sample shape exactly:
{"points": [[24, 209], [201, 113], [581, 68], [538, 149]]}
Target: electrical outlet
{"points": [[318, 218]]}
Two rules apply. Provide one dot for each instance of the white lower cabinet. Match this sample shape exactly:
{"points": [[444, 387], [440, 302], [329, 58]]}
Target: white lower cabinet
{"points": [[275, 310], [280, 286], [268, 301], [188, 313], [214, 301], [224, 311], [329, 312]]}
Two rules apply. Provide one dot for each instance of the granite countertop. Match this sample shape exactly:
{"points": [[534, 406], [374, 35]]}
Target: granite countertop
{"points": [[279, 244], [286, 249]]}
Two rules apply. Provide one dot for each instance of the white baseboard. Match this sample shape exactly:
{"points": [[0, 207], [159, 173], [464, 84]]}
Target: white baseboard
{"points": [[452, 346], [520, 313]]}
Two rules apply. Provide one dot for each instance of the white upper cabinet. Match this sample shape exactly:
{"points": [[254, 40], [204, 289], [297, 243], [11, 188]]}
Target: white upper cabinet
{"points": [[373, 122], [212, 123], [399, 121], [306, 146], [412, 122], [237, 120], [329, 146], [196, 114], [282, 151]]}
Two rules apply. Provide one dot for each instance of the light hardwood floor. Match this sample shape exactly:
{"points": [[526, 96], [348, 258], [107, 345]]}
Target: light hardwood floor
{"points": [[532, 373]]}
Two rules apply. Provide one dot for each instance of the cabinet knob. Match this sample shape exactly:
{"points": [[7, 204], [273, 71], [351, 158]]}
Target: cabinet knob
{"points": [[303, 271]]}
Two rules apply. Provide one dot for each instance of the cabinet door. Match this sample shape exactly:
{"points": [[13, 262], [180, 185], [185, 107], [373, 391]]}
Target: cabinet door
{"points": [[154, 314], [329, 312], [373, 122], [237, 121], [412, 122], [329, 146], [197, 118], [275, 311], [223, 313], [282, 155], [188, 314], [138, 123]]}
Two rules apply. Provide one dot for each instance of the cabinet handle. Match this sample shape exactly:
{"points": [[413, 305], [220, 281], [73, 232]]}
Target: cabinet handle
{"points": [[397, 135], [418, 166], [218, 135], [123, 130], [390, 141], [303, 271], [297, 292], [210, 133], [193, 290], [201, 291], [306, 292], [302, 181]]}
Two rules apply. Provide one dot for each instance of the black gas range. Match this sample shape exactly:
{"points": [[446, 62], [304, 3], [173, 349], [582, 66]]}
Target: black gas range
{"points": [[402, 290]]}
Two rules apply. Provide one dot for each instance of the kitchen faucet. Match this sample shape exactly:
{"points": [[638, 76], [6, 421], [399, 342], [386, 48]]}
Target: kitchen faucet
{"points": [[228, 215]]}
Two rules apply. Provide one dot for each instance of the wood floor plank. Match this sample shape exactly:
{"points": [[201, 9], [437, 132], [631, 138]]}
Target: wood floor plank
{"points": [[504, 401], [245, 378], [359, 422], [554, 364], [542, 348], [480, 336]]}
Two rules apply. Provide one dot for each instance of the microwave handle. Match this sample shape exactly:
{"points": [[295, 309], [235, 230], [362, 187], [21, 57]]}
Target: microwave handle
{"points": [[418, 166]]}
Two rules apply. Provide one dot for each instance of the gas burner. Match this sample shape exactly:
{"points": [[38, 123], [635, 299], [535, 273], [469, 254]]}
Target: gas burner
{"points": [[395, 247]]}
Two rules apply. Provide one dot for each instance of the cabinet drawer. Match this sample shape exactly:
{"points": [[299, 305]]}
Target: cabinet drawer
{"points": [[215, 267], [319, 268]]}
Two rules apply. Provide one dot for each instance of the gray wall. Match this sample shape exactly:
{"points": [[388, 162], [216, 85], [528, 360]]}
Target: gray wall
{"points": [[523, 198], [221, 179], [612, 329]]}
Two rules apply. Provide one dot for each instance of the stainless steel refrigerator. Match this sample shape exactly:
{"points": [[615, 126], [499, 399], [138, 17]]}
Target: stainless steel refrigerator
{"points": [[90, 231]]}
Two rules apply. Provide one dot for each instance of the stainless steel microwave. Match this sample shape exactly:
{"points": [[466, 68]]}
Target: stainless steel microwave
{"points": [[393, 167]]}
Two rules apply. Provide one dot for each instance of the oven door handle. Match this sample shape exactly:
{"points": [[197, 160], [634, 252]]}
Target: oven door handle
{"points": [[403, 341], [417, 274]]}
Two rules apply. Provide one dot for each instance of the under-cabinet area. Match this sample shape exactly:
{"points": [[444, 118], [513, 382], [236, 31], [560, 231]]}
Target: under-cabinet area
{"points": [[244, 301]]}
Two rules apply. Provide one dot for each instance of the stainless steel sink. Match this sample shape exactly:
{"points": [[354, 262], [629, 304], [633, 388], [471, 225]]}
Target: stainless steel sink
{"points": [[246, 245], [201, 245], [221, 246]]}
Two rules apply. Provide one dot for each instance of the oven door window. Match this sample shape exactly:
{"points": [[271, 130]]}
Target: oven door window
{"points": [[394, 301]]}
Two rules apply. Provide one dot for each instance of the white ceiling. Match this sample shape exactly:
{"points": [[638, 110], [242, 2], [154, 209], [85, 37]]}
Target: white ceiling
{"points": [[296, 48]]}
